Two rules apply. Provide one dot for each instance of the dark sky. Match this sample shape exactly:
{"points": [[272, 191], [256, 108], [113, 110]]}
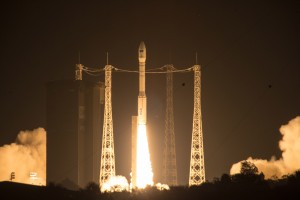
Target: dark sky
{"points": [[249, 52]]}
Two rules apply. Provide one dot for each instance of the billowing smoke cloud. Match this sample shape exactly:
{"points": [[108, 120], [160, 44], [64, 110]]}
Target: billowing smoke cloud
{"points": [[26, 158], [290, 160]]}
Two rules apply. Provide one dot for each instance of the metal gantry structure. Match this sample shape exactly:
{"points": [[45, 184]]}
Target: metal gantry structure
{"points": [[107, 165], [197, 169], [169, 157]]}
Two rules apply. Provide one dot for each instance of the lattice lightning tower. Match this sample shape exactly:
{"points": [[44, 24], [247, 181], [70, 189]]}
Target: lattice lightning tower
{"points": [[197, 170], [107, 168], [169, 156]]}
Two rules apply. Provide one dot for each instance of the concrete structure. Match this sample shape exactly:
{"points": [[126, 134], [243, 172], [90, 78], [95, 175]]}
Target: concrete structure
{"points": [[74, 128], [133, 150]]}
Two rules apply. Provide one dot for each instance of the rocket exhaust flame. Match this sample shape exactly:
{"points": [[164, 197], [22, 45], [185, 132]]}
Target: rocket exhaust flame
{"points": [[144, 174], [141, 175]]}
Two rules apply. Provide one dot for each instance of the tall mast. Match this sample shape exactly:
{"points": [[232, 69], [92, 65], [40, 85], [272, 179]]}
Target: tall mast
{"points": [[197, 169]]}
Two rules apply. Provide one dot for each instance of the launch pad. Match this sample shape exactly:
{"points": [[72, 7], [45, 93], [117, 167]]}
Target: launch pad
{"points": [[141, 169]]}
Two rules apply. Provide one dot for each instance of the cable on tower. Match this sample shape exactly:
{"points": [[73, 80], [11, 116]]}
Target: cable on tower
{"points": [[197, 170]]}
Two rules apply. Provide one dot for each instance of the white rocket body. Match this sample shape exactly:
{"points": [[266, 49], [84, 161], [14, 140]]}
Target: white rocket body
{"points": [[142, 99]]}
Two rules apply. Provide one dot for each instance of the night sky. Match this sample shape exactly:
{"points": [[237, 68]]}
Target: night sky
{"points": [[248, 50]]}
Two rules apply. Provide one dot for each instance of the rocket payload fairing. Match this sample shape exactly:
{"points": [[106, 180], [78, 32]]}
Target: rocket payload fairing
{"points": [[142, 99]]}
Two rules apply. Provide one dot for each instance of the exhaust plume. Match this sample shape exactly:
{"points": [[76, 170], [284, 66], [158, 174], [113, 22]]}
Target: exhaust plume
{"points": [[290, 160], [26, 158]]}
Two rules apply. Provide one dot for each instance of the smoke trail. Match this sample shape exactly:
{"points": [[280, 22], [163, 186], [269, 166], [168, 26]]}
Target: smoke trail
{"points": [[25, 157], [290, 147]]}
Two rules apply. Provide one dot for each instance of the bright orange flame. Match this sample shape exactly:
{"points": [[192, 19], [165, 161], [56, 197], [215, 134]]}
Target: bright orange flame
{"points": [[144, 174]]}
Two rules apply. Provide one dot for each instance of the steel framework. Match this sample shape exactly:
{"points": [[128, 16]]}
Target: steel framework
{"points": [[107, 168], [197, 170], [169, 156]]}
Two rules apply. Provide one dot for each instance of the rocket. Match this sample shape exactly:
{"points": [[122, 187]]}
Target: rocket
{"points": [[141, 118], [142, 99]]}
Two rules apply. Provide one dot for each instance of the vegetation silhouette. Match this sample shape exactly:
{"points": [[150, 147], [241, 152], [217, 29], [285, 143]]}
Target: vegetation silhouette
{"points": [[249, 184]]}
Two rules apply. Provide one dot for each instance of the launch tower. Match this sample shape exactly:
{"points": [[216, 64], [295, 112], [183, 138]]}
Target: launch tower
{"points": [[107, 168], [197, 171], [169, 157]]}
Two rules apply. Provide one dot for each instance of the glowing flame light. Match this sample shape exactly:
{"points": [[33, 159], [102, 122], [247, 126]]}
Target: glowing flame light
{"points": [[115, 184], [144, 174], [161, 186]]}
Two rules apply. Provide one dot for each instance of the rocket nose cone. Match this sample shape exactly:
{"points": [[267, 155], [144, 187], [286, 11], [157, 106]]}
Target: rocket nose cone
{"points": [[142, 45]]}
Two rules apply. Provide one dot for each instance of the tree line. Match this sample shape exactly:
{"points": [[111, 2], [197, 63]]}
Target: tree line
{"points": [[249, 184]]}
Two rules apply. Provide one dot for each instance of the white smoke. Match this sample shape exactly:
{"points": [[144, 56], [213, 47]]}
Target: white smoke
{"points": [[161, 186], [290, 160], [115, 184], [26, 158]]}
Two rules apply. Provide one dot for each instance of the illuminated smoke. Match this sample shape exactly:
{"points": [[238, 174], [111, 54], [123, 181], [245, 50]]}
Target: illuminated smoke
{"points": [[290, 147], [161, 186], [144, 174], [115, 184], [26, 158]]}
